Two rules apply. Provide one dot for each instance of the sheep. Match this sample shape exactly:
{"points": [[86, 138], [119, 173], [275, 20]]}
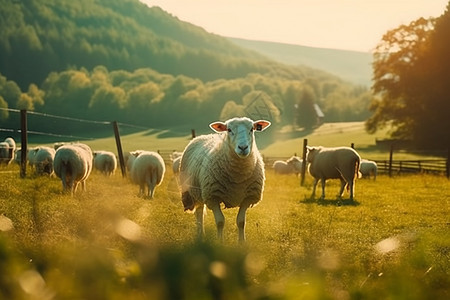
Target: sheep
{"points": [[175, 155], [291, 166], [7, 149], [31, 156], [129, 158], [73, 165], [223, 167], [43, 160], [105, 162], [368, 167], [176, 165], [332, 163], [148, 171], [4, 153]]}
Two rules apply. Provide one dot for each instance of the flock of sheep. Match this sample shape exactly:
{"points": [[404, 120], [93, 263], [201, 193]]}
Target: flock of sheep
{"points": [[222, 168]]}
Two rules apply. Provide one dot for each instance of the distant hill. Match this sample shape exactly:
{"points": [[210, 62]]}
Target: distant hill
{"points": [[350, 65]]}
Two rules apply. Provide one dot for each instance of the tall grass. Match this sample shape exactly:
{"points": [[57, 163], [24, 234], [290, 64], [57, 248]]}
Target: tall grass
{"points": [[393, 242]]}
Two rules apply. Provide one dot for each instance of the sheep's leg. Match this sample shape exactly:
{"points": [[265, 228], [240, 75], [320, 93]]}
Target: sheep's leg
{"points": [[240, 221], [152, 184], [323, 181], [220, 220], [200, 216], [314, 188], [351, 185], [343, 184]]}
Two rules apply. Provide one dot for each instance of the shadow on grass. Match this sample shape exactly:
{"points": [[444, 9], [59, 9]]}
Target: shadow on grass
{"points": [[330, 202]]}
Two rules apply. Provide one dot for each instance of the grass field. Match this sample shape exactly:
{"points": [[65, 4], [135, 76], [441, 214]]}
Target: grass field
{"points": [[393, 242]]}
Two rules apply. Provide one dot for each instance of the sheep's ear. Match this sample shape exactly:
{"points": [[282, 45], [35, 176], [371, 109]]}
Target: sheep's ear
{"points": [[218, 126], [261, 125]]}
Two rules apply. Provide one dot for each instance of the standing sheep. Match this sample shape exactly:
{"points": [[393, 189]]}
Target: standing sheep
{"points": [[333, 163], [148, 171], [291, 166], [43, 160], [73, 165], [368, 168], [223, 168], [105, 162], [129, 158], [7, 149]]}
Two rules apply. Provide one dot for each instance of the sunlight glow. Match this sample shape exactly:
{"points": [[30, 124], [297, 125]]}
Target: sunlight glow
{"points": [[337, 24]]}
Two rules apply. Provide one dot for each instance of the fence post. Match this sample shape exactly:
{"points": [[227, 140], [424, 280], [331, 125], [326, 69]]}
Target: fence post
{"points": [[193, 133], [23, 143], [303, 171], [352, 145], [390, 159], [119, 148]]}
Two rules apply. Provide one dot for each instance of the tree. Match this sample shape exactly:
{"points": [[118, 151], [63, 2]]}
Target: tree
{"points": [[411, 72], [307, 116]]}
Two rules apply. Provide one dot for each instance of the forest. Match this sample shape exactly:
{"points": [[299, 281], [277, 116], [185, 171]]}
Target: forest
{"points": [[121, 60]]}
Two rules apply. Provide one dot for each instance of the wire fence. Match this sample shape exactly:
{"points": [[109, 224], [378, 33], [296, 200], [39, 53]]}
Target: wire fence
{"points": [[435, 166], [60, 131]]}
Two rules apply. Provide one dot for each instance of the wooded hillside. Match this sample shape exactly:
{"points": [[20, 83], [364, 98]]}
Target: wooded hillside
{"points": [[119, 59]]}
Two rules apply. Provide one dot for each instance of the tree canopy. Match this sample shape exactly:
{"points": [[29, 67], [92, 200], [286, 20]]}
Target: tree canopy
{"points": [[411, 82], [121, 60]]}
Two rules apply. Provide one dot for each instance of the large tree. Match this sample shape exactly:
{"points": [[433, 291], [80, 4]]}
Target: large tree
{"points": [[412, 82]]}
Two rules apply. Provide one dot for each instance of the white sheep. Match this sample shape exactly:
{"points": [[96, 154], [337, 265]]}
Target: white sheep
{"points": [[31, 156], [73, 165], [147, 170], [176, 165], [105, 162], [291, 166], [333, 163], [223, 168], [175, 155], [7, 149], [129, 158], [368, 168], [43, 160]]}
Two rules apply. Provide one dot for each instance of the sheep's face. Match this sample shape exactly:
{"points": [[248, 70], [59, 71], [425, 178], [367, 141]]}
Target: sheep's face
{"points": [[310, 154], [240, 133]]}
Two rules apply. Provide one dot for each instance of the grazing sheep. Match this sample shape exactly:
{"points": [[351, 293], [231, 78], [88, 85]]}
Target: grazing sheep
{"points": [[368, 168], [148, 171], [31, 156], [333, 163], [223, 168], [105, 162], [43, 160], [73, 165], [7, 149], [291, 166]]}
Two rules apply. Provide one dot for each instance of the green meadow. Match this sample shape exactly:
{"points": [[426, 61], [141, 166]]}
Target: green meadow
{"points": [[392, 242]]}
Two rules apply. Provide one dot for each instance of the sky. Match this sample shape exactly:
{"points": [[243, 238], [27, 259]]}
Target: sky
{"points": [[337, 24]]}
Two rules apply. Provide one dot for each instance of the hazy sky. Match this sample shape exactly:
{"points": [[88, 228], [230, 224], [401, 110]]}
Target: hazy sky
{"points": [[341, 24]]}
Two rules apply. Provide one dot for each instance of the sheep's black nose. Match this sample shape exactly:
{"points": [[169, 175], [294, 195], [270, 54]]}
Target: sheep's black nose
{"points": [[243, 148]]}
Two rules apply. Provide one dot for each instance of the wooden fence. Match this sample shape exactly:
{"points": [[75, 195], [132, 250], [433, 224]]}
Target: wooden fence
{"points": [[434, 166]]}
